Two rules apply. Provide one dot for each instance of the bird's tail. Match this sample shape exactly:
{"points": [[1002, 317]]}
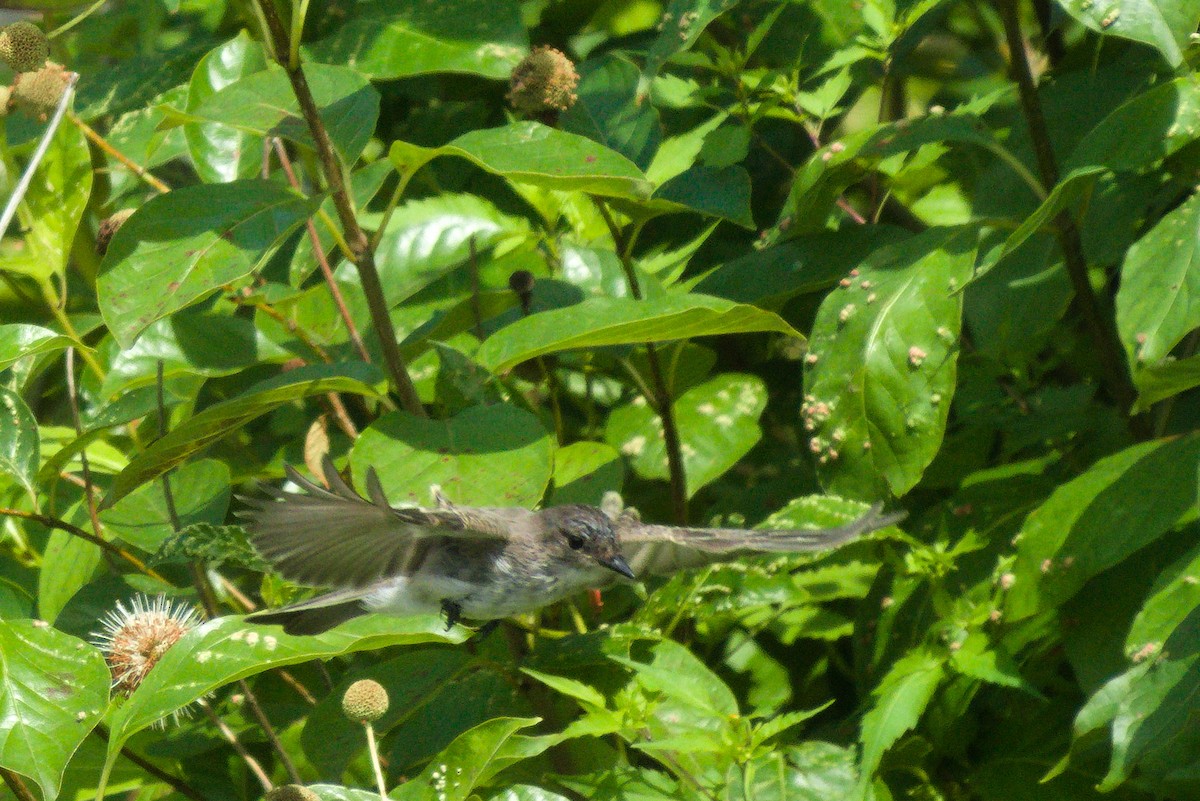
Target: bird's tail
{"points": [[314, 616]]}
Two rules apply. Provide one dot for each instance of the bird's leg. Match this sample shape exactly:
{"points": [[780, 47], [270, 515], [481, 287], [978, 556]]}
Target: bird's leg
{"points": [[452, 611]]}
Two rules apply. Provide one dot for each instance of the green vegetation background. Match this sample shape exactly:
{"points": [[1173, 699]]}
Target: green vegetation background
{"points": [[941, 254]]}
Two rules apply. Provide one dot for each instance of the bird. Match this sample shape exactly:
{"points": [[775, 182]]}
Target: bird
{"points": [[478, 563]]}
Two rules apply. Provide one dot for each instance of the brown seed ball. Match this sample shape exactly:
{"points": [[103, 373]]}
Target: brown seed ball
{"points": [[291, 792], [365, 701], [545, 80], [37, 93], [109, 227], [24, 47]]}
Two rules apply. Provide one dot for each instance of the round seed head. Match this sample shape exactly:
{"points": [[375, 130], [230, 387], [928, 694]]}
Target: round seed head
{"points": [[24, 47], [291, 792], [545, 80], [109, 227], [37, 93], [365, 701]]}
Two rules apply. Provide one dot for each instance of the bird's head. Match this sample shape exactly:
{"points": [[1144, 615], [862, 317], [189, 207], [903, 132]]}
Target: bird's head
{"points": [[589, 532]]}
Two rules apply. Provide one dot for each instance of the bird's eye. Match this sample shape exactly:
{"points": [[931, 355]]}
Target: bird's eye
{"points": [[574, 540]]}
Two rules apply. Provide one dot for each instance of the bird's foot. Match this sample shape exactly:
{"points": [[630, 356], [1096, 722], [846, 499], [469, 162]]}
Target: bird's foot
{"points": [[487, 628], [452, 611]]}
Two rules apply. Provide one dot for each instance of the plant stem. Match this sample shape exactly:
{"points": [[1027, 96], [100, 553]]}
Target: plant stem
{"points": [[373, 749], [319, 253], [661, 400], [231, 737], [360, 246], [14, 200], [129, 164], [17, 785], [269, 730], [70, 528], [1109, 350], [175, 783], [88, 487]]}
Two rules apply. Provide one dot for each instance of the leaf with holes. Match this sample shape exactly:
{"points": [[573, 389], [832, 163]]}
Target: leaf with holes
{"points": [[881, 367]]}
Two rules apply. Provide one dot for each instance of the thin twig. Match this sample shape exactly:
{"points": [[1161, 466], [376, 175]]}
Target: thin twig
{"points": [[1108, 345], [231, 736], [269, 730], [88, 487], [129, 164], [63, 525], [360, 246], [177, 784], [17, 785], [319, 253], [661, 400]]}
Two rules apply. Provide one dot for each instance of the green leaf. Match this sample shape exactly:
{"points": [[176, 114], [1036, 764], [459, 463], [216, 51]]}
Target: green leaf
{"points": [[1122, 503], [623, 321], [1173, 599], [484, 456], [74, 561], [182, 246], [55, 688], [53, 205], [18, 340], [1153, 125], [722, 192], [220, 419], [20, 448], [226, 649], [532, 153], [608, 110], [899, 701], [1158, 302], [768, 278], [1163, 24], [213, 545], [1067, 194], [571, 688], [1159, 381], [453, 775], [584, 471], [680, 676], [384, 40], [426, 238], [681, 25], [221, 153], [263, 104], [882, 365], [141, 518], [718, 425], [188, 344]]}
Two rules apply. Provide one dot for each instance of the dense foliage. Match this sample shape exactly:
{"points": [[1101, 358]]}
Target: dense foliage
{"points": [[759, 262]]}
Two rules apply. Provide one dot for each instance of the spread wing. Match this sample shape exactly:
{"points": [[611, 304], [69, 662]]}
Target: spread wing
{"points": [[336, 537], [652, 549]]}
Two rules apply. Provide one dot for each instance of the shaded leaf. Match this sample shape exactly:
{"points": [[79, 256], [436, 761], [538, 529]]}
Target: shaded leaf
{"points": [[1146, 129], [141, 518], [1162, 24], [220, 419], [1122, 503], [608, 110]]}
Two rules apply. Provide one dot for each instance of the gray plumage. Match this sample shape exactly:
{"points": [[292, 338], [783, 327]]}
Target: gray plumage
{"points": [[482, 563]]}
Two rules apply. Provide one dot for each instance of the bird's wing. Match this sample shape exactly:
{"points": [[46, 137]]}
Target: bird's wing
{"points": [[336, 537], [652, 549]]}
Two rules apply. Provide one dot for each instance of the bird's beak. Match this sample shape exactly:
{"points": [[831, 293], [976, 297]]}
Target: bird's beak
{"points": [[617, 564]]}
